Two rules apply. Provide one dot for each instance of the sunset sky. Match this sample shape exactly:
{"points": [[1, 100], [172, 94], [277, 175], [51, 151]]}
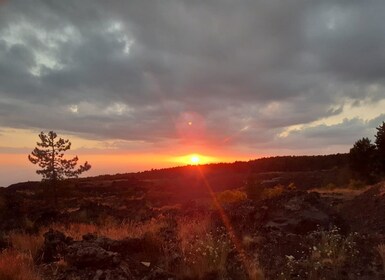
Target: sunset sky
{"points": [[142, 84]]}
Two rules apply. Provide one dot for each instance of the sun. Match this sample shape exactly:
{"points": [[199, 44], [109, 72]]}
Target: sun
{"points": [[195, 159]]}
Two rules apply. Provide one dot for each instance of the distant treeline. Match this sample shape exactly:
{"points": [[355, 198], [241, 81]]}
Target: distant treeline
{"points": [[269, 164], [299, 163]]}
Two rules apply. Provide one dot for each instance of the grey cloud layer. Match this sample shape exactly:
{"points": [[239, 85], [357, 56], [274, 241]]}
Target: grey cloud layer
{"points": [[129, 69]]}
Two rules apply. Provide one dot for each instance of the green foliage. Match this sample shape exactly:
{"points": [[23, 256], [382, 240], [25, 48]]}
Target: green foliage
{"points": [[367, 160], [362, 159], [380, 143], [49, 157]]}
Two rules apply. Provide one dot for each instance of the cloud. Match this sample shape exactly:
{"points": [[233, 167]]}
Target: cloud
{"points": [[131, 70]]}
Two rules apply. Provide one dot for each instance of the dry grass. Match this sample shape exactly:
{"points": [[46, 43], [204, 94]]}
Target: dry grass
{"points": [[111, 230], [15, 265], [273, 192], [231, 196], [203, 251], [381, 189], [342, 191], [331, 252], [188, 227], [25, 243], [381, 251]]}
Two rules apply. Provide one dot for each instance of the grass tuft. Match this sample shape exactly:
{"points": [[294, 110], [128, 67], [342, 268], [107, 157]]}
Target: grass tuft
{"points": [[15, 265], [113, 230], [381, 251]]}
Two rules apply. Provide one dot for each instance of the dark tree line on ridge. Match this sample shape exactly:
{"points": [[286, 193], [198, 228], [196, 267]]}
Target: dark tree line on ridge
{"points": [[367, 159], [262, 165]]}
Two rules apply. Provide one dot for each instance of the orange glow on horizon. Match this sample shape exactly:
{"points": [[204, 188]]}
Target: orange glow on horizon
{"points": [[15, 167], [194, 159]]}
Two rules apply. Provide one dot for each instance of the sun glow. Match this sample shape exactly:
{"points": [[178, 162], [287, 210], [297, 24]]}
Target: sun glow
{"points": [[194, 159]]}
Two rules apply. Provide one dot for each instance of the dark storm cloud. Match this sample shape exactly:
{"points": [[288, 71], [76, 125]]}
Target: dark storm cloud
{"points": [[129, 69]]}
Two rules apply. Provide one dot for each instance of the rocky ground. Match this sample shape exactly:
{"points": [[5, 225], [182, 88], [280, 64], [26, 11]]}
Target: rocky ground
{"points": [[292, 235]]}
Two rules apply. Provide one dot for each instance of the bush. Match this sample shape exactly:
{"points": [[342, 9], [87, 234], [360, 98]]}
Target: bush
{"points": [[330, 186], [231, 196], [356, 184], [254, 189], [273, 192]]}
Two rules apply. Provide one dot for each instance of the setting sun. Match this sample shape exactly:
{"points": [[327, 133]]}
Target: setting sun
{"points": [[195, 159]]}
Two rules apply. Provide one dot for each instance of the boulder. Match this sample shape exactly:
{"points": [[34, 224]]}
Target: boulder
{"points": [[297, 212], [102, 258], [55, 243], [83, 254]]}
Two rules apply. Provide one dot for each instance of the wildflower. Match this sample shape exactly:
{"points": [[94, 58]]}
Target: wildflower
{"points": [[290, 257]]}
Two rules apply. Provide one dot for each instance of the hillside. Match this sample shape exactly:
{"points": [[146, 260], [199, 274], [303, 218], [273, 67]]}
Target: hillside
{"points": [[197, 222]]}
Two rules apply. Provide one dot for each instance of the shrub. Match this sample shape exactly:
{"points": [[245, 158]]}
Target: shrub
{"points": [[231, 196], [363, 160], [254, 189], [356, 184], [330, 186], [273, 192]]}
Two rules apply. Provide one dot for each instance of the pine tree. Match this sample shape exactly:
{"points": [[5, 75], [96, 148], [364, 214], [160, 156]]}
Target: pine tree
{"points": [[362, 158], [380, 143], [49, 155]]}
